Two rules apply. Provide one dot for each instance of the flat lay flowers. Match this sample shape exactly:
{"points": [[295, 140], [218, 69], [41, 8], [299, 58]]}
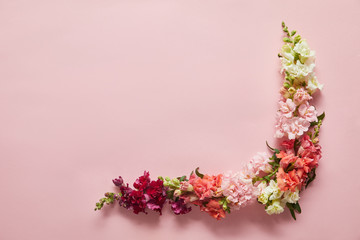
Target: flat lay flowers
{"points": [[274, 179]]}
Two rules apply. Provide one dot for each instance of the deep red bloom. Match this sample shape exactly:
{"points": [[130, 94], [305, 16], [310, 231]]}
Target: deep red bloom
{"points": [[155, 195], [132, 199], [142, 182]]}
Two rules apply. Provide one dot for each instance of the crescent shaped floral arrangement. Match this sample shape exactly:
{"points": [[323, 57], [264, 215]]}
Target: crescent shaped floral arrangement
{"points": [[274, 181]]}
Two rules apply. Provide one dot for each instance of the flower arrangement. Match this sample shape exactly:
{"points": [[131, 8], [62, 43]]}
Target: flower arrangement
{"points": [[274, 180]]}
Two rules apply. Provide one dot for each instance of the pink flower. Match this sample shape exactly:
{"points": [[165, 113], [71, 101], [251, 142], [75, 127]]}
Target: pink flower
{"points": [[291, 127], [287, 108], [237, 191], [206, 187], [258, 165], [309, 150], [289, 144], [301, 96], [288, 181], [286, 159], [308, 112], [214, 208]]}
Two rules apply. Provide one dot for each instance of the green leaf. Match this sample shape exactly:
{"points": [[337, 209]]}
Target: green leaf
{"points": [[181, 179], [291, 208], [272, 149], [321, 116], [200, 175], [297, 207], [293, 214], [311, 177]]}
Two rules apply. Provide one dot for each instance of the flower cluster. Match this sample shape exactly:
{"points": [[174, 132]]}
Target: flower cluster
{"points": [[274, 180], [298, 123]]}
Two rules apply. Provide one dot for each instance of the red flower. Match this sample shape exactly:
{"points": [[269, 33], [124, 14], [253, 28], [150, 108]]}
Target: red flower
{"points": [[155, 195], [142, 182]]}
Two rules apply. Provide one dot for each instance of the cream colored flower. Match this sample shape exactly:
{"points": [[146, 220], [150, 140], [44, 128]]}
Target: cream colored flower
{"points": [[275, 208], [313, 84], [291, 197], [305, 52]]}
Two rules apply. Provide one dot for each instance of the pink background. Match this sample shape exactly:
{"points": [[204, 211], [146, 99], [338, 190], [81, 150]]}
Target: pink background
{"points": [[94, 89]]}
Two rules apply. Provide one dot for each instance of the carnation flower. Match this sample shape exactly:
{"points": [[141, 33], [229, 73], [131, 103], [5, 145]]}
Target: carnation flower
{"points": [[313, 84], [214, 208], [301, 96], [133, 200], [155, 196], [308, 149], [291, 197], [206, 187], [291, 127], [287, 108], [286, 159], [288, 181], [237, 192], [303, 49], [288, 144], [275, 208], [142, 182], [179, 207], [298, 70], [308, 112]]}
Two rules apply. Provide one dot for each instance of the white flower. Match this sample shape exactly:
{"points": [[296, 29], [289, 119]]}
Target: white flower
{"points": [[271, 192], [303, 49], [291, 197], [275, 208], [276, 193], [297, 70], [313, 84], [263, 198]]}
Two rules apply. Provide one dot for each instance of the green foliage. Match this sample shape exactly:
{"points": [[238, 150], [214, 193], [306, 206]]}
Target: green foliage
{"points": [[200, 175], [109, 198], [294, 207], [311, 177]]}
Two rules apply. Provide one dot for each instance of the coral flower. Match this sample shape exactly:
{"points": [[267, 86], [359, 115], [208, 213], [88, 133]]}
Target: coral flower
{"points": [[214, 209], [288, 181], [206, 187]]}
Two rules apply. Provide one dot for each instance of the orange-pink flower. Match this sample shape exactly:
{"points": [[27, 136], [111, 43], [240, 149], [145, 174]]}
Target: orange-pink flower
{"points": [[206, 187], [288, 181], [214, 208]]}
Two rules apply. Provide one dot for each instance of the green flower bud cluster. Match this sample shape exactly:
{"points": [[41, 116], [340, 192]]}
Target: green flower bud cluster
{"points": [[109, 198]]}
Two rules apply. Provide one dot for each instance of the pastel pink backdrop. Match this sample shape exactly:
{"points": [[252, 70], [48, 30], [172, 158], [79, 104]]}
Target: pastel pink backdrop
{"points": [[91, 90]]}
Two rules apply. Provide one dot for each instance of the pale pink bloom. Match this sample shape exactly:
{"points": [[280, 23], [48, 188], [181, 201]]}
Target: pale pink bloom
{"points": [[301, 96], [287, 108], [259, 164], [308, 112], [237, 192], [291, 127]]}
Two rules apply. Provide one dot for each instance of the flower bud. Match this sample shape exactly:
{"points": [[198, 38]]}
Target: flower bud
{"points": [[292, 90]]}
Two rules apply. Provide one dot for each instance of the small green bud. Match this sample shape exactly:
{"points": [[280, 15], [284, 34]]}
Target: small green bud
{"points": [[293, 33], [176, 181], [292, 90], [167, 179], [297, 39], [288, 40], [287, 85], [282, 24]]}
